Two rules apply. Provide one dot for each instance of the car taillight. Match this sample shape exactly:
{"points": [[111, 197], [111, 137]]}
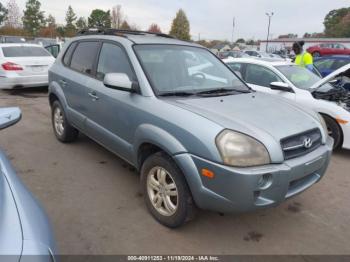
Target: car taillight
{"points": [[9, 66]]}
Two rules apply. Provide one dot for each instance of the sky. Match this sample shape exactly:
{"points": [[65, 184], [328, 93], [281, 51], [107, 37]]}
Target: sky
{"points": [[211, 19]]}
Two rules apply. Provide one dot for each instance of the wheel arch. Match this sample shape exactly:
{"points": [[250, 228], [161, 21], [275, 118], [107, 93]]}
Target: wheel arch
{"points": [[340, 128]]}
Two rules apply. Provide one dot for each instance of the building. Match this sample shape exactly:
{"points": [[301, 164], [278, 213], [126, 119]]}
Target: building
{"points": [[286, 43]]}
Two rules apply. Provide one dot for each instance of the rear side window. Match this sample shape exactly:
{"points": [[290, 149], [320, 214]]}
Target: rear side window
{"points": [[113, 60], [24, 51], [84, 57], [69, 53]]}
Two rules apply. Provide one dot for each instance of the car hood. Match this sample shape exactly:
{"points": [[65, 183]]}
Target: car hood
{"points": [[331, 76], [252, 113]]}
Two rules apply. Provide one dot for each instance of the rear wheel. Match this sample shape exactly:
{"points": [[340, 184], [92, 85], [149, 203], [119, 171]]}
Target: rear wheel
{"points": [[316, 54], [62, 129], [166, 192], [334, 131]]}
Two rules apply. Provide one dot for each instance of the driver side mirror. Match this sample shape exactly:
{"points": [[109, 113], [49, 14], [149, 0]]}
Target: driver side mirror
{"points": [[120, 81], [281, 87], [9, 116]]}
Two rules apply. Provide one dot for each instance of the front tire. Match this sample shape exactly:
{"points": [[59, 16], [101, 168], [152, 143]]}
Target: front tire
{"points": [[334, 131], [62, 129], [165, 191]]}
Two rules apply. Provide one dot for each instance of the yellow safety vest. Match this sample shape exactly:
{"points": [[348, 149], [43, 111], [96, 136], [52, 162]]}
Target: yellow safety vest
{"points": [[304, 59]]}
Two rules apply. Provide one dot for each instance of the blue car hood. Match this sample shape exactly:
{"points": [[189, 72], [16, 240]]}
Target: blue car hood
{"points": [[252, 113]]}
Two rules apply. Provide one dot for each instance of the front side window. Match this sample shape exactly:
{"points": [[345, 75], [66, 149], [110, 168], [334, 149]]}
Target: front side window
{"points": [[113, 60], [24, 51], [259, 75], [174, 68], [84, 57]]}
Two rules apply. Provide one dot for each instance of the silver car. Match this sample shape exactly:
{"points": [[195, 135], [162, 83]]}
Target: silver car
{"points": [[199, 136], [25, 232]]}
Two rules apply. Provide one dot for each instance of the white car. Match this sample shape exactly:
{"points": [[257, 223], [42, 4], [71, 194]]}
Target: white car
{"points": [[24, 65], [305, 88]]}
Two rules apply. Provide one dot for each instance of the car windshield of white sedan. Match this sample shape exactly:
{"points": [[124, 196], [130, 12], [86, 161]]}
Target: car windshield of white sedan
{"points": [[24, 51], [174, 69], [301, 77]]}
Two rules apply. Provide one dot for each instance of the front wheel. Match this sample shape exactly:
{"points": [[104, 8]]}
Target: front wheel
{"points": [[334, 131], [166, 192]]}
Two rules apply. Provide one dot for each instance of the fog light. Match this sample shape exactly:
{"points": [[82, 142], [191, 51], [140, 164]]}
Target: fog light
{"points": [[265, 181]]}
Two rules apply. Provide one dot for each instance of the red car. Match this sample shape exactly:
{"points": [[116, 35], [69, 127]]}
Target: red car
{"points": [[328, 49]]}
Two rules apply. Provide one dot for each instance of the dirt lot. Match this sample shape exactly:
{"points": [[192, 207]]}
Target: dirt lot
{"points": [[92, 199]]}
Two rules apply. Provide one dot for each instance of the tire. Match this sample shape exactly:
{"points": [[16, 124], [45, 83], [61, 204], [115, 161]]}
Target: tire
{"points": [[157, 172], [316, 54], [62, 129], [334, 131]]}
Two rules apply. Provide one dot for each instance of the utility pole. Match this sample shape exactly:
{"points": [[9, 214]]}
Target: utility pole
{"points": [[233, 29], [269, 15]]}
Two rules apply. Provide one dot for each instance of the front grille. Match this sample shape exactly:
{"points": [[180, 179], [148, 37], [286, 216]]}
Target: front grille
{"points": [[301, 144]]}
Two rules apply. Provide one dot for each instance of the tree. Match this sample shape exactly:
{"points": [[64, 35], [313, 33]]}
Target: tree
{"points": [[33, 19], [240, 41], [51, 21], [180, 27], [50, 29], [71, 17], [154, 28], [81, 23], [117, 17], [3, 13], [100, 18], [125, 26], [336, 23], [13, 18]]}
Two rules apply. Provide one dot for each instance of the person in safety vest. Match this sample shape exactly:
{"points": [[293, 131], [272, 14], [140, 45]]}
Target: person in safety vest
{"points": [[303, 58]]}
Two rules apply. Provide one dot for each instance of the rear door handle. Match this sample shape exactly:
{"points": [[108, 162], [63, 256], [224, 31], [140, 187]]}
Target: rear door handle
{"points": [[93, 96]]}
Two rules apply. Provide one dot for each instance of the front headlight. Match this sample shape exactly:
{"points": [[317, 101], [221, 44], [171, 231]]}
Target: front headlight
{"points": [[323, 123], [240, 150]]}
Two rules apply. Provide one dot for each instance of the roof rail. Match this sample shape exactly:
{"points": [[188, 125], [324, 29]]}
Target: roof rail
{"points": [[118, 32]]}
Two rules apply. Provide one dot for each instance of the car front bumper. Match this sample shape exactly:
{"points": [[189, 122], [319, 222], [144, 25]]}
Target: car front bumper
{"points": [[237, 189], [23, 81], [346, 135]]}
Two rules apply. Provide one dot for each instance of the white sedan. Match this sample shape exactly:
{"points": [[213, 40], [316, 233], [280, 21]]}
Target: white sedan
{"points": [[24, 65], [305, 88]]}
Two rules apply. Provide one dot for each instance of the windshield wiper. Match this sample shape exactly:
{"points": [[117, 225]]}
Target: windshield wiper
{"points": [[222, 91], [178, 93]]}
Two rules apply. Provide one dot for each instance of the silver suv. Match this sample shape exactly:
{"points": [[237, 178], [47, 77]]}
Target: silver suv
{"points": [[199, 136]]}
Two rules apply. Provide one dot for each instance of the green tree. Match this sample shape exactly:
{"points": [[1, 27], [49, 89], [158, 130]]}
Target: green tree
{"points": [[240, 40], [51, 21], [180, 27], [81, 23], [3, 13], [100, 18], [337, 23], [33, 19], [71, 17]]}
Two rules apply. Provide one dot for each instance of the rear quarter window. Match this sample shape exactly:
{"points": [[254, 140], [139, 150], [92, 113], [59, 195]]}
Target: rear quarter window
{"points": [[24, 51]]}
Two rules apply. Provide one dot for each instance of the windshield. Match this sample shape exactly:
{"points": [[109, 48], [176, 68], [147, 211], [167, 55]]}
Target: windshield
{"points": [[174, 68], [302, 77]]}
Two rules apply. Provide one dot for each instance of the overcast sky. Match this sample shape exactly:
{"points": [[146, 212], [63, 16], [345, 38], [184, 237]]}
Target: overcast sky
{"points": [[211, 18]]}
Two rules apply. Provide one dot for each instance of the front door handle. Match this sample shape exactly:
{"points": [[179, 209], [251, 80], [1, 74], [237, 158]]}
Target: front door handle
{"points": [[93, 96]]}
